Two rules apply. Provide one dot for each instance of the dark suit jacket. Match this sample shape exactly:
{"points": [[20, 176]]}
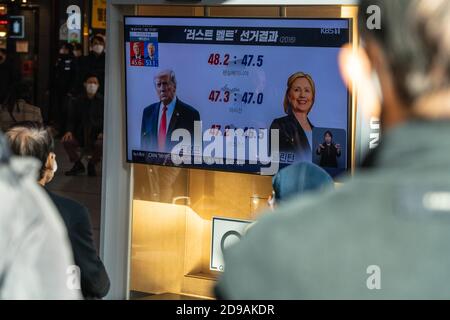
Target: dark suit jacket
{"points": [[94, 279], [292, 136], [183, 117]]}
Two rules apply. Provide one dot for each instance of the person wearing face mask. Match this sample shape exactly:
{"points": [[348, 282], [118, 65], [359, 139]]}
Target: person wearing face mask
{"points": [[65, 72], [385, 233], [328, 151], [295, 129], [31, 140], [92, 63], [85, 128]]}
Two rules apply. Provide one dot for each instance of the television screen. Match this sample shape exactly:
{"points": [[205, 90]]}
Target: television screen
{"points": [[244, 95]]}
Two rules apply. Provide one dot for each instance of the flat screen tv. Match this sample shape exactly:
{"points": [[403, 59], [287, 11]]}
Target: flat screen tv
{"points": [[236, 94]]}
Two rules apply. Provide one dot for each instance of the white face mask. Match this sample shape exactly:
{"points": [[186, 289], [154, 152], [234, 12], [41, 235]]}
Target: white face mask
{"points": [[55, 167], [98, 49], [91, 88]]}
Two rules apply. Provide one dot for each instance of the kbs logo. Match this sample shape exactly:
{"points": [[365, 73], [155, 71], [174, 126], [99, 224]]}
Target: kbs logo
{"points": [[330, 31]]}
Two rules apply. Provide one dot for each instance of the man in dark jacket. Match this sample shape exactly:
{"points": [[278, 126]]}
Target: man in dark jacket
{"points": [[162, 118], [34, 141], [94, 279], [85, 128]]}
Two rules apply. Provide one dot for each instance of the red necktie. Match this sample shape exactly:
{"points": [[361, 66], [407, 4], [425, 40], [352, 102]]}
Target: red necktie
{"points": [[162, 131]]}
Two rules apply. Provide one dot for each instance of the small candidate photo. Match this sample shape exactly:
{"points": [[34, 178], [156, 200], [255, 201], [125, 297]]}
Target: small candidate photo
{"points": [[151, 53], [330, 149], [295, 128], [137, 53], [163, 117]]}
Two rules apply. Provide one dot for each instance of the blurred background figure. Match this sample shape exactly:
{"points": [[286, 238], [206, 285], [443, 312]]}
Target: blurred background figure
{"points": [[36, 255], [64, 80], [77, 50], [8, 75], [387, 227], [16, 108], [35, 141], [296, 180], [84, 135], [77, 61], [94, 62]]}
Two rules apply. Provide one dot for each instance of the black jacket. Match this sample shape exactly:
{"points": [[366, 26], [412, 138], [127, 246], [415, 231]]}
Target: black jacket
{"points": [[8, 77], [86, 65], [183, 117], [292, 136], [86, 118], [65, 74], [328, 155], [94, 279]]}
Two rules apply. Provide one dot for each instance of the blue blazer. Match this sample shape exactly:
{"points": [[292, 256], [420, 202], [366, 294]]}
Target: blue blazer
{"points": [[183, 117]]}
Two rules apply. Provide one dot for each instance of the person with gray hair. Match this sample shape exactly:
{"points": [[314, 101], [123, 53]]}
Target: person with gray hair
{"points": [[385, 233], [161, 118], [36, 259], [34, 141]]}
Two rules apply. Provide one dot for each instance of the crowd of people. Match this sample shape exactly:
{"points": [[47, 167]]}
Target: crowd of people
{"points": [[392, 215], [59, 228], [75, 111]]}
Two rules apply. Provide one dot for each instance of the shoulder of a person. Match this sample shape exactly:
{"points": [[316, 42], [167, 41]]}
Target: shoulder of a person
{"points": [[150, 108], [76, 210], [286, 118], [313, 209], [185, 106], [81, 98], [282, 120], [32, 107]]}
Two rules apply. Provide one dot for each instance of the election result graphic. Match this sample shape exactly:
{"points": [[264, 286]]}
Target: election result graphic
{"points": [[231, 93]]}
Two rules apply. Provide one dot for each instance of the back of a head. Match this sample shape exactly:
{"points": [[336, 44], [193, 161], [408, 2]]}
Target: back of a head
{"points": [[415, 38], [32, 141], [299, 178]]}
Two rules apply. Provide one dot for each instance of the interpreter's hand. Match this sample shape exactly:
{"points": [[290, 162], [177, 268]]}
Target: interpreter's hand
{"points": [[67, 137], [338, 146], [100, 136], [321, 146]]}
